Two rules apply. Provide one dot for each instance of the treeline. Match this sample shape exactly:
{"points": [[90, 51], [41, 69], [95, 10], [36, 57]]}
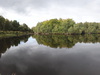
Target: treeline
{"points": [[7, 25], [63, 41], [66, 26]]}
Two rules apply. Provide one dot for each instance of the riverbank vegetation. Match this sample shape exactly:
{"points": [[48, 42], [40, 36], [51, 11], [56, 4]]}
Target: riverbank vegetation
{"points": [[13, 27], [66, 26]]}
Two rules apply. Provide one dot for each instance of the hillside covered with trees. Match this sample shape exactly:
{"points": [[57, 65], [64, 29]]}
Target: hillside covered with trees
{"points": [[7, 25], [66, 26]]}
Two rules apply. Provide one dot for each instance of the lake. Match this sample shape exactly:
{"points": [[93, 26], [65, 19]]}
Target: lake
{"points": [[50, 55]]}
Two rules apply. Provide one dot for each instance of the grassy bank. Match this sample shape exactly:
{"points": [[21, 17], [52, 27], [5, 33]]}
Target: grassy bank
{"points": [[13, 33]]}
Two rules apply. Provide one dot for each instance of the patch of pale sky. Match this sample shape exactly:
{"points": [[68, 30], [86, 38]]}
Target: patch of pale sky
{"points": [[31, 11]]}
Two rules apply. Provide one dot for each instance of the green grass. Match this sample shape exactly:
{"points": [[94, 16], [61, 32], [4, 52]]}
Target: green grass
{"points": [[4, 34]]}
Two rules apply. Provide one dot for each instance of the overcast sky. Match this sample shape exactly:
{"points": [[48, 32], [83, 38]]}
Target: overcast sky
{"points": [[33, 11]]}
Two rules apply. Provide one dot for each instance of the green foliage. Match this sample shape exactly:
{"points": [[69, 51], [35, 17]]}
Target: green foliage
{"points": [[15, 25], [7, 25], [66, 26], [2, 21], [24, 27], [63, 41]]}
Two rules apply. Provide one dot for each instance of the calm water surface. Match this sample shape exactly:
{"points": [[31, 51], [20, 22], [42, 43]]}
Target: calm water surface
{"points": [[50, 55]]}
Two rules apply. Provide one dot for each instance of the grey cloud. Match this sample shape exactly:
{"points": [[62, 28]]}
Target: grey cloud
{"points": [[21, 5], [44, 61], [40, 10]]}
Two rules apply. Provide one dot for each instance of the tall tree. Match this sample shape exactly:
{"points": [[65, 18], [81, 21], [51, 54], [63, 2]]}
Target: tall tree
{"points": [[2, 21]]}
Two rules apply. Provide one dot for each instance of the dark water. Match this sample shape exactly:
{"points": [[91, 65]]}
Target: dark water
{"points": [[50, 55]]}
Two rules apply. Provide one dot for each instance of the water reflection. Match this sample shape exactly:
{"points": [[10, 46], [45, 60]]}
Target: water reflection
{"points": [[6, 43], [33, 59], [62, 41]]}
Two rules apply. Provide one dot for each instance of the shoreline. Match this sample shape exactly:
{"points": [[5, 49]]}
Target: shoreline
{"points": [[63, 33], [14, 35]]}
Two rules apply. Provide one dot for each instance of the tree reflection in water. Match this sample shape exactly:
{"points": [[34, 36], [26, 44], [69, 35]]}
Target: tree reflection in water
{"points": [[32, 59], [6, 43], [63, 41]]}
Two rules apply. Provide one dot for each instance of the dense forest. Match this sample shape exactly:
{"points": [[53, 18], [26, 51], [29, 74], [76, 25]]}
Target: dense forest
{"points": [[63, 41], [7, 25], [66, 26]]}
